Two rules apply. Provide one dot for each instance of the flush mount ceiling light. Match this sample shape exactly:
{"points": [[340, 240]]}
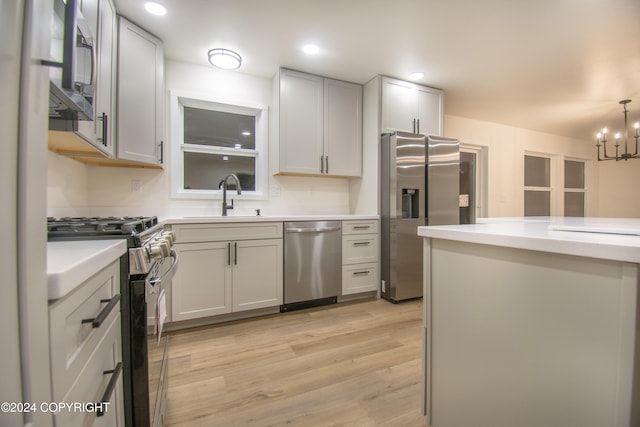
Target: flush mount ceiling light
{"points": [[416, 76], [602, 139], [311, 49], [224, 58], [155, 8]]}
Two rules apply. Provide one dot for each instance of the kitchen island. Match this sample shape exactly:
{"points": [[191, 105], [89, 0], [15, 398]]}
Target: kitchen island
{"points": [[531, 322]]}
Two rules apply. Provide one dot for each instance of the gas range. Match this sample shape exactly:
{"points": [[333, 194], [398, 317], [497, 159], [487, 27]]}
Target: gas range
{"points": [[92, 226]]}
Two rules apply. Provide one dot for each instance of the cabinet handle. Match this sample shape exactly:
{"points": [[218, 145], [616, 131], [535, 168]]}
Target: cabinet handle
{"points": [[103, 140], [418, 125], [235, 253], [161, 152], [326, 164], [361, 273], [361, 227], [321, 164], [361, 243], [414, 125], [106, 397], [228, 253], [105, 128], [97, 321]]}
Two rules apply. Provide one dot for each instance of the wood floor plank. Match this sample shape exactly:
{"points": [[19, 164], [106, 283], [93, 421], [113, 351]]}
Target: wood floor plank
{"points": [[349, 364]]}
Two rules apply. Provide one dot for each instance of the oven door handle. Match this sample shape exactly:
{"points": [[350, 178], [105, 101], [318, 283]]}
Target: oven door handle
{"points": [[169, 273]]}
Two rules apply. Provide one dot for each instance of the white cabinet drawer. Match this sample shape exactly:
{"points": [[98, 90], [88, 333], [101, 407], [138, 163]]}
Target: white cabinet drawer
{"points": [[192, 233], [359, 248], [92, 383], [72, 341], [360, 227], [359, 278]]}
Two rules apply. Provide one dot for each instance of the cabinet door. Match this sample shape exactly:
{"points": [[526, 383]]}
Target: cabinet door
{"points": [[342, 128], [301, 122], [140, 94], [398, 106], [430, 111], [202, 284], [104, 105], [257, 274]]}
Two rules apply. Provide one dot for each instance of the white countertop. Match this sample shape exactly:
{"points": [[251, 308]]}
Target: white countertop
{"points": [[262, 218], [70, 263], [589, 237]]}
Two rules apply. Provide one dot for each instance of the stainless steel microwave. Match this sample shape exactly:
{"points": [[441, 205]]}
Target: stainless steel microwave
{"points": [[72, 66]]}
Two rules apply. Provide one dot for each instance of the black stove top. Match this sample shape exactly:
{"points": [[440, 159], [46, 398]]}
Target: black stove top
{"points": [[99, 226]]}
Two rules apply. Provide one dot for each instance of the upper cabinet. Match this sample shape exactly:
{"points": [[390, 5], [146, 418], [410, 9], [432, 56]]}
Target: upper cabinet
{"points": [[412, 108], [128, 79], [317, 128], [140, 95]]}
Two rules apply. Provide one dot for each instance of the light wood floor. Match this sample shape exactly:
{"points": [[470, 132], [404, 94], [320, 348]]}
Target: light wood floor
{"points": [[355, 364]]}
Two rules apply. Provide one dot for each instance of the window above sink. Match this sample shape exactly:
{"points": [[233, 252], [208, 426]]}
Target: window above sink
{"points": [[212, 139]]}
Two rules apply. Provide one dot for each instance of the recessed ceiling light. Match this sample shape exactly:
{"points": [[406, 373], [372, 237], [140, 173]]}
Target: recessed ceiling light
{"points": [[416, 76], [246, 133], [225, 158], [311, 49], [224, 58], [155, 8], [237, 146]]}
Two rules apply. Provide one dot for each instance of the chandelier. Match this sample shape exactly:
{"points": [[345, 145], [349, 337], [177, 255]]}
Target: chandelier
{"points": [[602, 139]]}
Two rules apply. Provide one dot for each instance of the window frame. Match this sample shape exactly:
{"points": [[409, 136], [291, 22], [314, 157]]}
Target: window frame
{"points": [[551, 189], [556, 181], [587, 169], [177, 101]]}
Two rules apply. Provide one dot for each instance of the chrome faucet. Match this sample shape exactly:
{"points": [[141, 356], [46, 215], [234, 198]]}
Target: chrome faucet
{"points": [[223, 184]]}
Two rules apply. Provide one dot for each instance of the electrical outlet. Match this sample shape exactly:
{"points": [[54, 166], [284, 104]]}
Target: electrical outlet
{"points": [[136, 186]]}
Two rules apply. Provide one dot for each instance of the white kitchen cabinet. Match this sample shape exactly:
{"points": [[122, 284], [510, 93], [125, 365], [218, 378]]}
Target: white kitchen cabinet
{"points": [[360, 256], [201, 286], [318, 126], [219, 274], [140, 95], [85, 355], [410, 107], [257, 274], [101, 17]]}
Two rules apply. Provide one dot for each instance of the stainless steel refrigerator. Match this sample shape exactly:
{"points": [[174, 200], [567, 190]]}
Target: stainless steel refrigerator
{"points": [[420, 180]]}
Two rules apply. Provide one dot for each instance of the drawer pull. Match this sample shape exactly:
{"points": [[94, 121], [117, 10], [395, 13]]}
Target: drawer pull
{"points": [[361, 243], [361, 273], [361, 227], [97, 321], [106, 397]]}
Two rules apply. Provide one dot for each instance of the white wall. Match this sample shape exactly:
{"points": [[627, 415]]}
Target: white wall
{"points": [[67, 187], [618, 189], [110, 190]]}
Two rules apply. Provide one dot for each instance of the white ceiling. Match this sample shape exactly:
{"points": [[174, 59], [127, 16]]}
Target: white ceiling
{"points": [[556, 66]]}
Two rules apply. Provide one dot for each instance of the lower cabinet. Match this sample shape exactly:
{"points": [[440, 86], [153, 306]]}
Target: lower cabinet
{"points": [[219, 277], [360, 254], [86, 355]]}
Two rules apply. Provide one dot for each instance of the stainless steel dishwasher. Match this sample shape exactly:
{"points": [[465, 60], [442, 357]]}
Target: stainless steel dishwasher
{"points": [[312, 263]]}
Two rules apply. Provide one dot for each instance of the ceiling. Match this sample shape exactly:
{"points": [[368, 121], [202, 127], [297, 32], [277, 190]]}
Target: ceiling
{"points": [[556, 66]]}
